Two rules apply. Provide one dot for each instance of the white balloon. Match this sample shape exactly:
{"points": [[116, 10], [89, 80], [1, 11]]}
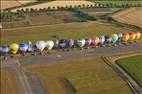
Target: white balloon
{"points": [[49, 44], [40, 45], [30, 46]]}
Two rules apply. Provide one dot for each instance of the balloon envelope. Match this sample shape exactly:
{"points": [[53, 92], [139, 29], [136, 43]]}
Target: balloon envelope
{"points": [[70, 43], [80, 42], [132, 36], [23, 47], [30, 46], [40, 45], [125, 37], [14, 48], [5, 48], [95, 41], [102, 39], [114, 38], [138, 35], [49, 44], [62, 43], [88, 41], [108, 39], [120, 35], [56, 43]]}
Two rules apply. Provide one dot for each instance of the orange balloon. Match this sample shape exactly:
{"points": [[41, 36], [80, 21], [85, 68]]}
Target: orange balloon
{"points": [[95, 40], [132, 36], [125, 37]]}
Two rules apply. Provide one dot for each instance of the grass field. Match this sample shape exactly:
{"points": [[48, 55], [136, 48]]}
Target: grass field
{"points": [[8, 82], [133, 65], [72, 30], [88, 75]]}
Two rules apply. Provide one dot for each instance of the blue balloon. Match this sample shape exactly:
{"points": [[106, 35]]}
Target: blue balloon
{"points": [[5, 48], [23, 47]]}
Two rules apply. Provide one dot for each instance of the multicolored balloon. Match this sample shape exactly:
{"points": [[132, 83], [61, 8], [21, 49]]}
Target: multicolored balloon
{"points": [[102, 39], [132, 36], [23, 47], [95, 41], [14, 47], [125, 37], [80, 42], [5, 48], [40, 45], [88, 42], [114, 38], [49, 44]]}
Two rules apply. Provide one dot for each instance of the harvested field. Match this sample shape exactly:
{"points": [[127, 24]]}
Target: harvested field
{"points": [[88, 75], [131, 16], [133, 65], [56, 4], [13, 3], [8, 82], [70, 30]]}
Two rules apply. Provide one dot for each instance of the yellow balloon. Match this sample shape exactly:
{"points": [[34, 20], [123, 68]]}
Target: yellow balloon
{"points": [[132, 36], [138, 35], [14, 48], [125, 37]]}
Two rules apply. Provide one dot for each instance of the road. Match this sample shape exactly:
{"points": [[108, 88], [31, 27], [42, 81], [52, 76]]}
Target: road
{"points": [[57, 56]]}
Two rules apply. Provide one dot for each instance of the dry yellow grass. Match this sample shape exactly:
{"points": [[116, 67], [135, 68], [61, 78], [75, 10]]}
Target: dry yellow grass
{"points": [[8, 82], [88, 75], [55, 4], [132, 16], [13, 3]]}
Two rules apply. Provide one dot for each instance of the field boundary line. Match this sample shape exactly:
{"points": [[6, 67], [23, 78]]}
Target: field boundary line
{"points": [[132, 83]]}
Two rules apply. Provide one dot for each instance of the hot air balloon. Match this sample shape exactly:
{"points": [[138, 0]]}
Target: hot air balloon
{"points": [[56, 43], [40, 45], [70, 43], [62, 43], [23, 48], [125, 37], [108, 39], [0, 50], [95, 41], [14, 48], [49, 44], [120, 35], [138, 35], [114, 38], [80, 42], [5, 48], [102, 40], [132, 36], [30, 47], [88, 42]]}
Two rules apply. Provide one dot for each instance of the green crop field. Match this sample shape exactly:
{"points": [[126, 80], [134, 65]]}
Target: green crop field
{"points": [[89, 75], [71, 30], [133, 65]]}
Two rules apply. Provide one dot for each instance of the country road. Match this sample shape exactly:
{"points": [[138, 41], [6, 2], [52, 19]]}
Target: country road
{"points": [[27, 87]]}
